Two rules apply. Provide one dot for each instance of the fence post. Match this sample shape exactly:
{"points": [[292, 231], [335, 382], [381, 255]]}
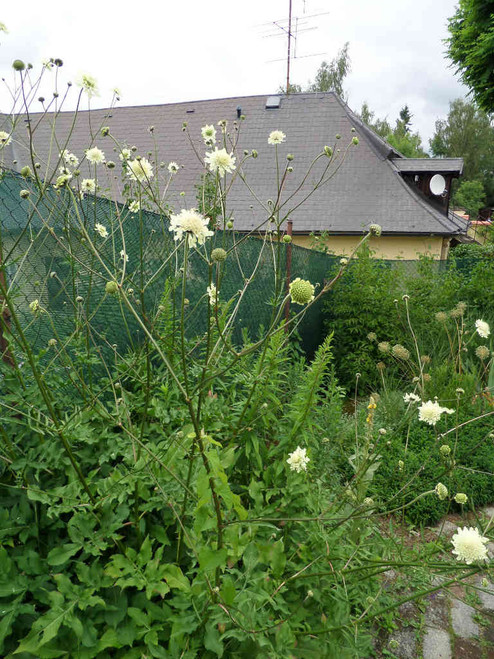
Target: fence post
{"points": [[288, 272]]}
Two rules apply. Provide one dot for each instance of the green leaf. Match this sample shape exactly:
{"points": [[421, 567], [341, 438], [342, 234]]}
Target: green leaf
{"points": [[175, 578], [212, 640], [60, 555], [210, 559]]}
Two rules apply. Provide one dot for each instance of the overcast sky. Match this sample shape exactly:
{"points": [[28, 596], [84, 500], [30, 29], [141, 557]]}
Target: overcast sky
{"points": [[165, 52]]}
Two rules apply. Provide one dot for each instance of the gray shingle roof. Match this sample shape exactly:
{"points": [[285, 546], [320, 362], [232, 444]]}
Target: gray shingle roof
{"points": [[436, 165], [367, 187]]}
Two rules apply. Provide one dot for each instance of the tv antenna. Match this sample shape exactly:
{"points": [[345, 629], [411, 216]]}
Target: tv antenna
{"points": [[291, 27]]}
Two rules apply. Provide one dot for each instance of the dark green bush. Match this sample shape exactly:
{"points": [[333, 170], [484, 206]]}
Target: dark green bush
{"points": [[424, 467]]}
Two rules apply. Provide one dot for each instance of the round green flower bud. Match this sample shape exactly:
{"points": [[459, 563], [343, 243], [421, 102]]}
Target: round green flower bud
{"points": [[18, 65], [105, 131], [58, 62], [441, 491], [338, 136], [375, 230], [229, 224], [353, 129], [290, 156], [110, 164], [254, 153], [289, 170], [445, 450], [287, 238], [111, 287], [218, 254], [355, 141], [24, 194], [26, 172], [52, 342], [461, 498], [301, 291], [328, 151]]}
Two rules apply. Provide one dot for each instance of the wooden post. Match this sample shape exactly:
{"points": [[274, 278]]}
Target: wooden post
{"points": [[288, 271]]}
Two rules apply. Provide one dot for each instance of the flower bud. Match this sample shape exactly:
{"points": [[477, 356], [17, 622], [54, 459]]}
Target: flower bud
{"points": [[111, 287], [355, 141], [24, 194], [26, 172], [218, 255], [254, 153], [229, 224], [287, 239], [375, 230], [290, 156], [18, 65], [328, 151]]}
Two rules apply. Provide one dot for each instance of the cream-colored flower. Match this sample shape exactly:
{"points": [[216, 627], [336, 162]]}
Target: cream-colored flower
{"points": [[4, 139], [220, 161], [430, 412], [101, 229], [192, 224], [482, 328], [69, 158], [124, 256], [469, 545], [276, 137], [88, 185], [411, 398], [140, 170], [209, 134], [298, 460], [134, 206], [173, 167], [384, 346], [125, 154], [95, 155], [213, 294], [88, 84]]}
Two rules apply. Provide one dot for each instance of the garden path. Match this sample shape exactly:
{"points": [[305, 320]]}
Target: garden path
{"points": [[458, 624]]}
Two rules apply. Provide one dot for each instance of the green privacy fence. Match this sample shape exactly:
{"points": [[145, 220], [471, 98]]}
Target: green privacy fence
{"points": [[46, 257], [46, 260]]}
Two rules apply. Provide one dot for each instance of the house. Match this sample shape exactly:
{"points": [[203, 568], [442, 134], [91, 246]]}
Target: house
{"points": [[372, 183]]}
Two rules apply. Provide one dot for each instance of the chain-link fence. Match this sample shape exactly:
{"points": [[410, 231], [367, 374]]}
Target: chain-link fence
{"points": [[57, 281]]}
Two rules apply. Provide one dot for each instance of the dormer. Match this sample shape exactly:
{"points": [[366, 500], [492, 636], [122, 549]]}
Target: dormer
{"points": [[431, 176]]}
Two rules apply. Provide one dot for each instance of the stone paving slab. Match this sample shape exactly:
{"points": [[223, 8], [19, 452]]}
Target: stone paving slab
{"points": [[487, 598], [437, 644], [462, 620]]}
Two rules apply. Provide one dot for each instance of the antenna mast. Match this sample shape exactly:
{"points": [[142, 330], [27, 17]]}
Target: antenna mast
{"points": [[302, 24], [289, 46]]}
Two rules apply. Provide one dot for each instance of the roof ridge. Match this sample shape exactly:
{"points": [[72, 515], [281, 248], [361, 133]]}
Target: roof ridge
{"points": [[372, 138]]}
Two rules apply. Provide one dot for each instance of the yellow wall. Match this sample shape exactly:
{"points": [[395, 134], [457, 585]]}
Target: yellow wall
{"points": [[387, 247]]}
